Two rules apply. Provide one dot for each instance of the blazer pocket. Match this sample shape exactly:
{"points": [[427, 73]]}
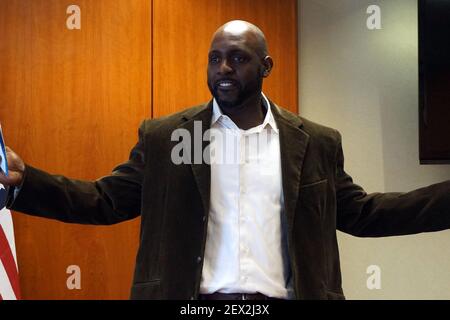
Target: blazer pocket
{"points": [[148, 290], [331, 295], [312, 184], [313, 199], [146, 283]]}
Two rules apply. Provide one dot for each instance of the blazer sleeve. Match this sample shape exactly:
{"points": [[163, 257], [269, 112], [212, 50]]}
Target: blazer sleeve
{"points": [[108, 200], [388, 214]]}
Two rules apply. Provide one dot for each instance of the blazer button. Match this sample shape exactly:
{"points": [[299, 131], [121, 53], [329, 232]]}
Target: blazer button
{"points": [[204, 218], [199, 259]]}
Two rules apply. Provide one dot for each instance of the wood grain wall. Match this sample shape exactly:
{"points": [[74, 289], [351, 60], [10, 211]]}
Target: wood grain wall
{"points": [[182, 36], [71, 102]]}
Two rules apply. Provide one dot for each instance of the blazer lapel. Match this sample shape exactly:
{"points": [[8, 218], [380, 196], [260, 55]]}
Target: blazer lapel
{"points": [[293, 144], [197, 124]]}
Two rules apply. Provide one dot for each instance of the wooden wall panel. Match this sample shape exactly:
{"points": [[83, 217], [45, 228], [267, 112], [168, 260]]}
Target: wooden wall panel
{"points": [[182, 33], [71, 102]]}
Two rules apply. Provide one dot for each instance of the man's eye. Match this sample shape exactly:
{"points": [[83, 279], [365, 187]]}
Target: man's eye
{"points": [[214, 59], [239, 59]]}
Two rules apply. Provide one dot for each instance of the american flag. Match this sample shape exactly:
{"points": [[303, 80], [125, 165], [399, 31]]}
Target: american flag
{"points": [[9, 276]]}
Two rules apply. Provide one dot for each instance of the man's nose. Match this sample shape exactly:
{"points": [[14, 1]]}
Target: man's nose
{"points": [[224, 67]]}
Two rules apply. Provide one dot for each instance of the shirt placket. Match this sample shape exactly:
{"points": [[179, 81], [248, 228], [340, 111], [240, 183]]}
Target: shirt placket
{"points": [[243, 212]]}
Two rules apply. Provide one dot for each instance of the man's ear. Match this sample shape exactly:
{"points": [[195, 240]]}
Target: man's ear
{"points": [[268, 65]]}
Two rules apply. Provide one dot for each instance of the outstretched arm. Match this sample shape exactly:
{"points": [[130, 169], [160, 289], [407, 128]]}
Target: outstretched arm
{"points": [[108, 200], [389, 214]]}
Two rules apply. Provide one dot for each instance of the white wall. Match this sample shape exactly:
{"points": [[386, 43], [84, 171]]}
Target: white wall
{"points": [[365, 84]]}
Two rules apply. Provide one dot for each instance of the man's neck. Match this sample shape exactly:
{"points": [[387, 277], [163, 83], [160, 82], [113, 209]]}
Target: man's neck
{"points": [[249, 114]]}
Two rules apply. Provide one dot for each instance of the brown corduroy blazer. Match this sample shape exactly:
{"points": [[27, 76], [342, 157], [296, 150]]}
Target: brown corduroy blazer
{"points": [[173, 201]]}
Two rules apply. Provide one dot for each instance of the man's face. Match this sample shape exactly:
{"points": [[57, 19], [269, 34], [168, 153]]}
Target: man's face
{"points": [[235, 70]]}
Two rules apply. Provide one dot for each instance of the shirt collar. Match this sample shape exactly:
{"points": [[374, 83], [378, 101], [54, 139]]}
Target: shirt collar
{"points": [[269, 120]]}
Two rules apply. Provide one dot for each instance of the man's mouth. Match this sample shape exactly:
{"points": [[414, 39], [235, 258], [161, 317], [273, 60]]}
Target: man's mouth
{"points": [[226, 84]]}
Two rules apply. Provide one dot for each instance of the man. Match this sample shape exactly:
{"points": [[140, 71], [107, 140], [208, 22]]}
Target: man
{"points": [[264, 227]]}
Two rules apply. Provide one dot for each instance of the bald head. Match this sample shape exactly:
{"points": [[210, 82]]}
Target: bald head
{"points": [[243, 30]]}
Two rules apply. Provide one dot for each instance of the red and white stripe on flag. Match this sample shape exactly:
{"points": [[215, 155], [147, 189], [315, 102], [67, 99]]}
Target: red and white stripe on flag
{"points": [[9, 276]]}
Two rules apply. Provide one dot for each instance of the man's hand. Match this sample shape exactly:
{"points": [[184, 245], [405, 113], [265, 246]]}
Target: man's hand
{"points": [[16, 168]]}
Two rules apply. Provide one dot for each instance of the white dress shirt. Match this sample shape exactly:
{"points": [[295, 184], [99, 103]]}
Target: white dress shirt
{"points": [[246, 246]]}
